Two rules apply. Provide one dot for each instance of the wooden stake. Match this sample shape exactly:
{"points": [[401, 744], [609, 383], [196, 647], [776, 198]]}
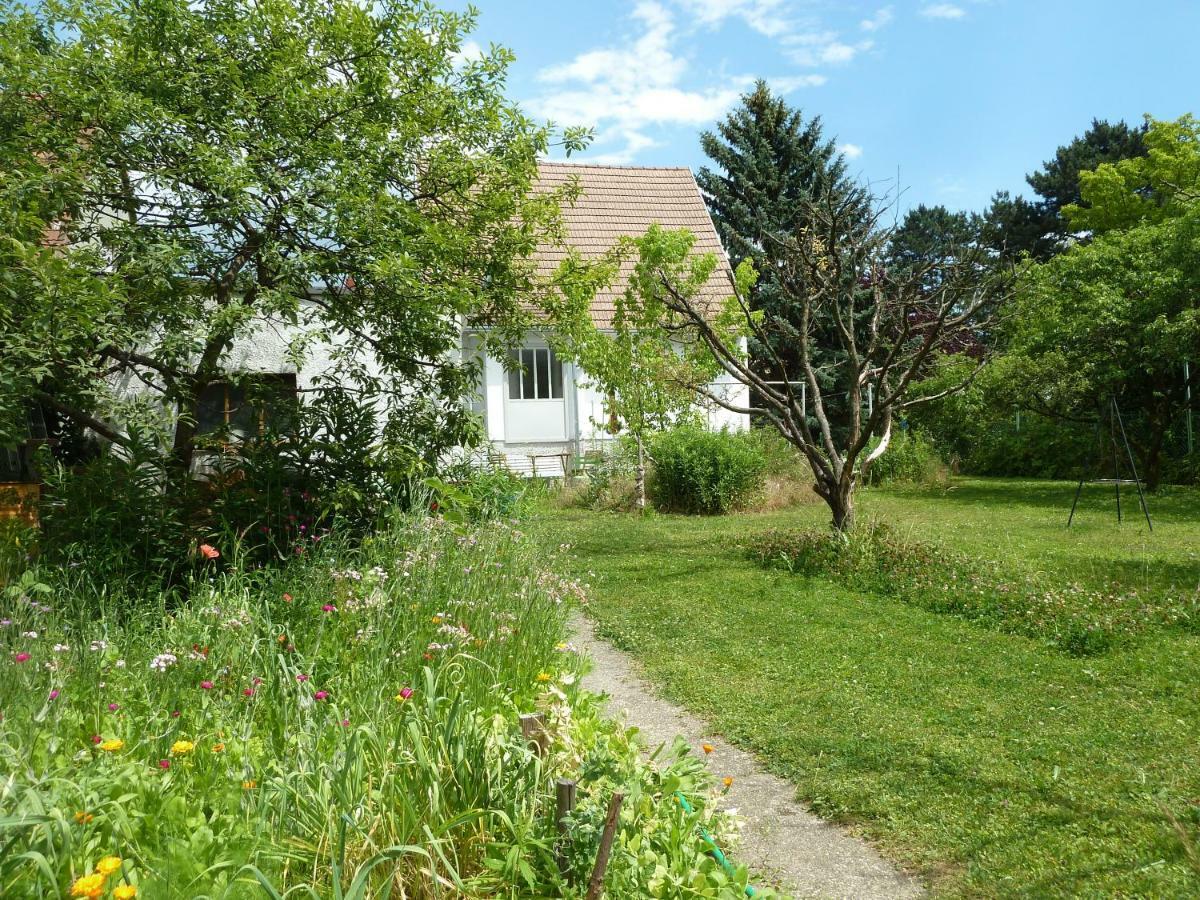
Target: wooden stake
{"points": [[596, 885], [564, 795], [533, 729]]}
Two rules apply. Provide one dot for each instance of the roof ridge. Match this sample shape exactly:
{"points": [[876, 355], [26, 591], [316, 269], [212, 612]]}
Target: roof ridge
{"points": [[580, 164]]}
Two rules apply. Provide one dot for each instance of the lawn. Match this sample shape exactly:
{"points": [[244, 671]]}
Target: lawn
{"points": [[992, 763]]}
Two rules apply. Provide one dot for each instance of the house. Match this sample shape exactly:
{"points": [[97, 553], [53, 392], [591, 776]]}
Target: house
{"points": [[539, 410]]}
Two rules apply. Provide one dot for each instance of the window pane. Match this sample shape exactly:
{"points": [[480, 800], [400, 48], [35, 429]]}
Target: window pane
{"points": [[527, 391], [210, 415], [514, 375], [556, 376], [543, 374], [243, 416]]}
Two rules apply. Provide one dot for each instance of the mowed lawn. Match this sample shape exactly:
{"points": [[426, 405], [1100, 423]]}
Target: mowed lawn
{"points": [[990, 763]]}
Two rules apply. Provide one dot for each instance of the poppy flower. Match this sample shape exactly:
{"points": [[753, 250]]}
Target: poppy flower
{"points": [[208, 551]]}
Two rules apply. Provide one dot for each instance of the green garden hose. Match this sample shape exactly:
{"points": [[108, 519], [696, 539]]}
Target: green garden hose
{"points": [[713, 850]]}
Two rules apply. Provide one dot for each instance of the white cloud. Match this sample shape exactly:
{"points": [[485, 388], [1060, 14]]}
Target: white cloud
{"points": [[943, 11], [823, 48], [881, 19], [468, 52], [850, 151], [764, 16], [788, 83], [625, 89]]}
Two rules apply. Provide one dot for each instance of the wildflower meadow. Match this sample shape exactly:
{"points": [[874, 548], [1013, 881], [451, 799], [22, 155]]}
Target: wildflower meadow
{"points": [[341, 725]]}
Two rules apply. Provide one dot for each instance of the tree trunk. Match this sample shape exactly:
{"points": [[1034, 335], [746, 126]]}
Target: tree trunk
{"points": [[839, 497], [641, 475]]}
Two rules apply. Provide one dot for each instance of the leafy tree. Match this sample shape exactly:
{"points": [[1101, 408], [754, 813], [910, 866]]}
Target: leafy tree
{"points": [[1120, 314], [770, 165], [638, 363], [190, 176], [928, 233]]}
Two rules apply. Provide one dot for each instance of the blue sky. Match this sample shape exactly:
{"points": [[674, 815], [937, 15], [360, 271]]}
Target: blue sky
{"points": [[962, 97]]}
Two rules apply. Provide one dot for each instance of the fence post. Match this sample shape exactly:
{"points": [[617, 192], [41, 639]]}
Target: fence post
{"points": [[533, 729], [564, 796]]}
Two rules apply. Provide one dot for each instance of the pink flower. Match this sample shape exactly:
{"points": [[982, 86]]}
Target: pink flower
{"points": [[54, 695], [96, 739], [164, 764], [206, 685], [345, 723], [174, 714], [113, 707], [21, 657], [302, 678], [209, 552], [406, 692], [287, 598], [321, 695], [328, 607], [256, 681], [248, 692]]}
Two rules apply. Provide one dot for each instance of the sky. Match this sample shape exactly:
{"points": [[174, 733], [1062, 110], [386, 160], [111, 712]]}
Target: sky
{"points": [[951, 101]]}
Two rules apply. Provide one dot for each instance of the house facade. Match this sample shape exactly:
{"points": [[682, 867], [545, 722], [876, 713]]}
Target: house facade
{"points": [[541, 411]]}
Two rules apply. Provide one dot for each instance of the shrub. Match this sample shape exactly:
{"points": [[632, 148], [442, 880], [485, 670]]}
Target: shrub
{"points": [[910, 458], [789, 479], [610, 475], [1078, 620], [699, 471]]}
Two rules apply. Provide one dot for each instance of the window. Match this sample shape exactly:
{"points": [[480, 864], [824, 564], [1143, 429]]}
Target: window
{"points": [[535, 374], [247, 408]]}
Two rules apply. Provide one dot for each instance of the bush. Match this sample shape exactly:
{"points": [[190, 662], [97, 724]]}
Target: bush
{"points": [[1078, 620], [345, 725], [910, 458], [699, 471], [789, 478]]}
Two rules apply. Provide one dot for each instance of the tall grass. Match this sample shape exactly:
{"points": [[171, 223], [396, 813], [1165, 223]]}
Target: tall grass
{"points": [[343, 726]]}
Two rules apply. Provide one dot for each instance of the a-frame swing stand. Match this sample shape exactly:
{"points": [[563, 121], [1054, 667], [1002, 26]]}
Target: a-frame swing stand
{"points": [[1116, 426]]}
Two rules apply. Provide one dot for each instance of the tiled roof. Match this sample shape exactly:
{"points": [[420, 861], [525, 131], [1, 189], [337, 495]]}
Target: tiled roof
{"points": [[620, 201]]}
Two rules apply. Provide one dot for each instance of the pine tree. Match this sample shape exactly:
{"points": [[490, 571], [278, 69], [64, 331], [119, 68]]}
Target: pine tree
{"points": [[770, 164]]}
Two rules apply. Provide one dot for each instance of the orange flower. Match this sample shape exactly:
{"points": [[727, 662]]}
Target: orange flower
{"points": [[707, 748], [88, 886], [218, 748], [83, 818], [208, 551], [727, 781], [249, 784], [124, 892]]}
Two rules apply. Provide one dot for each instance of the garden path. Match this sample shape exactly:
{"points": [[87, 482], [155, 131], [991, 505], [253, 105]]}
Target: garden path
{"points": [[782, 840]]}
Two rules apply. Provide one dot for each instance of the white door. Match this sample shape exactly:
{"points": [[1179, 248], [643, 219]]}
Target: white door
{"points": [[535, 406]]}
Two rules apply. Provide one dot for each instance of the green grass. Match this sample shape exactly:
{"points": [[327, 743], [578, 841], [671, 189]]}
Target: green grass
{"points": [[991, 763]]}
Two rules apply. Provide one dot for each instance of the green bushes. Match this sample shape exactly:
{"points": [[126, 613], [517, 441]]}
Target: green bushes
{"points": [[699, 471], [910, 458], [344, 725], [874, 558]]}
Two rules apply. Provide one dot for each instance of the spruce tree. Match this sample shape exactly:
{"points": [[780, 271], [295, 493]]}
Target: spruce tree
{"points": [[770, 164]]}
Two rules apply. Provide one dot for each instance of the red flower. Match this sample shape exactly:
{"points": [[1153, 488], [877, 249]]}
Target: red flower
{"points": [[164, 764], [208, 551], [21, 657], [249, 692], [206, 685], [287, 598]]}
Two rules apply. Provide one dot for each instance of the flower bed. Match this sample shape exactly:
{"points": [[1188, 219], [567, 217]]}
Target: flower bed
{"points": [[350, 719]]}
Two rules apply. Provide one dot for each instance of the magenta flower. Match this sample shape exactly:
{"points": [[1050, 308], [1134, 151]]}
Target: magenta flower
{"points": [[321, 695], [206, 685], [21, 657], [113, 707], [302, 678], [406, 692], [248, 692], [96, 739], [328, 607], [54, 695], [345, 723], [174, 714], [164, 764], [256, 681]]}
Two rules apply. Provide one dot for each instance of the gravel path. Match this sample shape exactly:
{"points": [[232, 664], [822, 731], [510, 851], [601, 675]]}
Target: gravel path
{"points": [[782, 840]]}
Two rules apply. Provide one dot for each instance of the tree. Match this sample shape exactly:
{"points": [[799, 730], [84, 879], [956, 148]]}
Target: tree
{"points": [[195, 174], [927, 232], [872, 328], [771, 164], [1119, 315], [1040, 228], [638, 363]]}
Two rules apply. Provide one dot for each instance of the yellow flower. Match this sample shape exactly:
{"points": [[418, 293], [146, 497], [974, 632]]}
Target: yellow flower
{"points": [[124, 892], [83, 818], [181, 747], [437, 620], [112, 746], [218, 748], [88, 886], [727, 781], [249, 784], [544, 676], [108, 865]]}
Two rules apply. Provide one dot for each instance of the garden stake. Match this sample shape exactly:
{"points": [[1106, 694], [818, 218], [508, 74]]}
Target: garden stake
{"points": [[606, 840], [713, 850], [564, 795], [533, 729]]}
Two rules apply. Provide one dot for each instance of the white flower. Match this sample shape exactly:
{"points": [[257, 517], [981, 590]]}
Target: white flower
{"points": [[99, 646], [162, 662], [61, 648], [120, 663], [32, 635]]}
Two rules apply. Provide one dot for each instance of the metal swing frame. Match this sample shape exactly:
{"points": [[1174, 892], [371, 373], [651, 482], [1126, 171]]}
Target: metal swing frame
{"points": [[1116, 424]]}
